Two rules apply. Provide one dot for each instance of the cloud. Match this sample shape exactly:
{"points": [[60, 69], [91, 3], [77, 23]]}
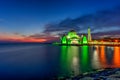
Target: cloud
{"points": [[111, 34], [102, 23], [97, 21], [64, 25]]}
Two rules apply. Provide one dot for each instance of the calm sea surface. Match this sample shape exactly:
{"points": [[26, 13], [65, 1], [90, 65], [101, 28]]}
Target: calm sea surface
{"points": [[40, 61]]}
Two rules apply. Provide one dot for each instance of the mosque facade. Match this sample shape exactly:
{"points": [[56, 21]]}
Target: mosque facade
{"points": [[73, 38]]}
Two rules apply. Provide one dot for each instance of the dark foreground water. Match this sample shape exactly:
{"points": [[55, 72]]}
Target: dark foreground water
{"points": [[41, 61]]}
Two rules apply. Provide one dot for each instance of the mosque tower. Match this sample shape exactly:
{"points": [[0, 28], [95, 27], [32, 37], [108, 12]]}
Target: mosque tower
{"points": [[89, 34]]}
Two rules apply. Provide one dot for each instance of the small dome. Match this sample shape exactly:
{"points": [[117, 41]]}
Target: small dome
{"points": [[72, 31]]}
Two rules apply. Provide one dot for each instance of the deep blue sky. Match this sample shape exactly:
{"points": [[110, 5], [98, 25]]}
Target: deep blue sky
{"points": [[29, 17]]}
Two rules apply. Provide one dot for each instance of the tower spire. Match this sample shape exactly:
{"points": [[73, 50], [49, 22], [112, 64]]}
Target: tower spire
{"points": [[89, 34]]}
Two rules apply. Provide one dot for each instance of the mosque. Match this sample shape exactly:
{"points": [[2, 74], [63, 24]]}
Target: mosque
{"points": [[73, 38]]}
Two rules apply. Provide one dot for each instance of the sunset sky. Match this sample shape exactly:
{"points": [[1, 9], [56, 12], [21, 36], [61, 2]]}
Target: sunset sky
{"points": [[45, 20]]}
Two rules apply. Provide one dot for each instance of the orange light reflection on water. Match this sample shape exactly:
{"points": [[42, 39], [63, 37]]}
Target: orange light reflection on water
{"points": [[103, 57], [116, 57]]}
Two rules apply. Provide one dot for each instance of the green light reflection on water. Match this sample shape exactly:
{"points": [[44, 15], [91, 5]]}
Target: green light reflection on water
{"points": [[74, 60], [85, 61], [70, 60]]}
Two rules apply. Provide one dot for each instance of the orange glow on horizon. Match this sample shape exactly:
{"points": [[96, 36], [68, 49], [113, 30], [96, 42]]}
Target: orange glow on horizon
{"points": [[19, 38], [116, 40], [24, 40], [34, 40]]}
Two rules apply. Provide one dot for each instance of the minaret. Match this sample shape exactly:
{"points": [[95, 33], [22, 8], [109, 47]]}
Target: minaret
{"points": [[89, 34]]}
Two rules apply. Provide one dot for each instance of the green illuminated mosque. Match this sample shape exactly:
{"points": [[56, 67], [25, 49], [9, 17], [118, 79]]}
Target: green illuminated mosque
{"points": [[73, 38]]}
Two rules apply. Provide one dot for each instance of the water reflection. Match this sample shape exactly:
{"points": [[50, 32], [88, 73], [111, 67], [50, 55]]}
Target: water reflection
{"points": [[50, 61], [70, 60], [76, 60], [116, 57], [102, 56], [95, 58], [85, 61]]}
